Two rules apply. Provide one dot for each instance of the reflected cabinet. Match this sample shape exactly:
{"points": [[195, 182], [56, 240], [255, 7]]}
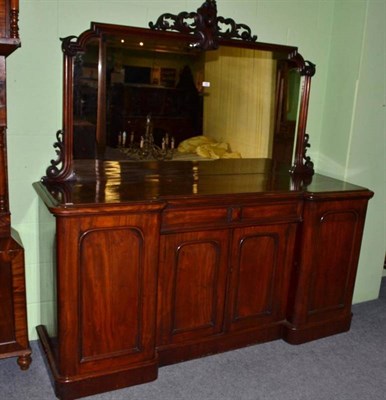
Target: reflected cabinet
{"points": [[183, 212]]}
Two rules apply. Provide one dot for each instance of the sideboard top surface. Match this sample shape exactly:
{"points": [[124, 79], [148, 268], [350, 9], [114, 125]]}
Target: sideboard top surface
{"points": [[116, 184]]}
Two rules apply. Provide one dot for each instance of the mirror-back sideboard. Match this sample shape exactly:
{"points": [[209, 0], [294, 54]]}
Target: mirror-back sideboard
{"points": [[157, 262]]}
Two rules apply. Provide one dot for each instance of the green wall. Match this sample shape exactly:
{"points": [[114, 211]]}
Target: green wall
{"points": [[346, 116], [352, 143]]}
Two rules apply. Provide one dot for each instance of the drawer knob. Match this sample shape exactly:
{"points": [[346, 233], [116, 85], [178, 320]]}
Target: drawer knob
{"points": [[234, 214]]}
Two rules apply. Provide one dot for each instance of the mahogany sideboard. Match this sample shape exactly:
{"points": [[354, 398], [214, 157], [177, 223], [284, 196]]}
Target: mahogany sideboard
{"points": [[160, 262]]}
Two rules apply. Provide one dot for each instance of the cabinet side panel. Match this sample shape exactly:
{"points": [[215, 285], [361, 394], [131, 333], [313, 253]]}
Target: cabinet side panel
{"points": [[7, 328], [110, 286]]}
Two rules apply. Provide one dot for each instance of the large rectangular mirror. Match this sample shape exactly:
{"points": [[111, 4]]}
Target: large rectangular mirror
{"points": [[193, 94], [244, 100]]}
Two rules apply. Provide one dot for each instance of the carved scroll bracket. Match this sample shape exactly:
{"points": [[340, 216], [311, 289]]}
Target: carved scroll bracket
{"points": [[57, 167], [53, 170], [73, 45], [205, 25], [70, 45]]}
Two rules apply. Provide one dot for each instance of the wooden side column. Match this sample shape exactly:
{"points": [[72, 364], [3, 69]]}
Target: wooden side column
{"points": [[13, 314], [4, 204]]}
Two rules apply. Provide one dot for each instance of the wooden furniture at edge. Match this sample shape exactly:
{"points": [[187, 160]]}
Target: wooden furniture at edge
{"points": [[13, 316], [163, 262]]}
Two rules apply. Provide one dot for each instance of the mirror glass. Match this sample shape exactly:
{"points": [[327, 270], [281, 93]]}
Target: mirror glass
{"points": [[237, 101]]}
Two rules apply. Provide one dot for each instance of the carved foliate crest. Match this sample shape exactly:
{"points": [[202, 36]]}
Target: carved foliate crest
{"points": [[205, 25]]}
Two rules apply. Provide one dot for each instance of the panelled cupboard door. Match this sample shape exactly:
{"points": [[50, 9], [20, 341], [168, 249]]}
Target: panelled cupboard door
{"points": [[192, 284], [107, 291], [327, 271], [261, 263]]}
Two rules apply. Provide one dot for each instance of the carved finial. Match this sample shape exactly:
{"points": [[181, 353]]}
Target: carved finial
{"points": [[308, 69]]}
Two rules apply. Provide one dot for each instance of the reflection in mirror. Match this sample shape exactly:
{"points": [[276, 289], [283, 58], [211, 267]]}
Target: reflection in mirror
{"points": [[243, 101], [239, 108], [151, 86], [288, 83]]}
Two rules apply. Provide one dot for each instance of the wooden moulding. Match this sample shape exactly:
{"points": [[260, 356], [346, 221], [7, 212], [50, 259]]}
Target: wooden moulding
{"points": [[68, 388], [294, 335]]}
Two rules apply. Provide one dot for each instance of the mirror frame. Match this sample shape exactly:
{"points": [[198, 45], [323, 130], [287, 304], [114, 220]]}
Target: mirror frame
{"points": [[202, 30]]}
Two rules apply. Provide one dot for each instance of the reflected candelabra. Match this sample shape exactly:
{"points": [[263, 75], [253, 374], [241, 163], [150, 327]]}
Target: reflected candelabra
{"points": [[146, 148]]}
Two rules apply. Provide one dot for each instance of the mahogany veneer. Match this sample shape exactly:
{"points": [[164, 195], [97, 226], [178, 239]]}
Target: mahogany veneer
{"points": [[13, 321], [157, 263]]}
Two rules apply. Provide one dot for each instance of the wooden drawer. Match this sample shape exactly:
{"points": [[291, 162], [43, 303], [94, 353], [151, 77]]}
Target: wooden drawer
{"points": [[286, 211], [232, 215], [188, 218]]}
